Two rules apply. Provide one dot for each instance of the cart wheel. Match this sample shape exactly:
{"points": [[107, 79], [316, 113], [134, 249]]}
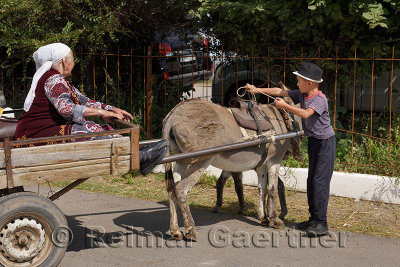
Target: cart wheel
{"points": [[33, 231]]}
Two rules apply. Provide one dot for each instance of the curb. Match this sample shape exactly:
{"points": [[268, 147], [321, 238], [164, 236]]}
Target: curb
{"points": [[352, 185]]}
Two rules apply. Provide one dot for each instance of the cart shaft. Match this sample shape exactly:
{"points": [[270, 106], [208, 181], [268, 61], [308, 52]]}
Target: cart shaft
{"points": [[231, 147]]}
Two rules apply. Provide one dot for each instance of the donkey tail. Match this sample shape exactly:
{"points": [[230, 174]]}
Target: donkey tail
{"points": [[169, 177]]}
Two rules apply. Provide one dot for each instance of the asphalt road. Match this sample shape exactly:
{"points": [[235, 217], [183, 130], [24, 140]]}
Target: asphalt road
{"points": [[116, 231]]}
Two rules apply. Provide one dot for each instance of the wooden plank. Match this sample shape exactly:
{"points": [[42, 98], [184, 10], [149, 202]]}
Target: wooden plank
{"points": [[65, 166], [2, 159], [3, 179], [70, 152], [135, 161], [7, 156], [68, 173], [114, 159]]}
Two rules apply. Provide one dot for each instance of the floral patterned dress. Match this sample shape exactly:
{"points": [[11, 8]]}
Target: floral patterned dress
{"points": [[58, 109]]}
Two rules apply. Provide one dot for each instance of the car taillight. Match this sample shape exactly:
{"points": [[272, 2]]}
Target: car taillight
{"points": [[164, 49], [212, 67], [166, 75]]}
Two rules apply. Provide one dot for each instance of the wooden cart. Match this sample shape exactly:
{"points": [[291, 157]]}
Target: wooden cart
{"points": [[33, 230]]}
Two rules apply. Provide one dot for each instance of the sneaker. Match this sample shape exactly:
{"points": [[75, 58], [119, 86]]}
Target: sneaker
{"points": [[304, 225], [151, 155], [317, 229]]}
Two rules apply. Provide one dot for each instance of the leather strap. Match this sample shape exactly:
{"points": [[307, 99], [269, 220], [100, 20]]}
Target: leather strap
{"points": [[260, 135], [265, 153], [250, 109]]}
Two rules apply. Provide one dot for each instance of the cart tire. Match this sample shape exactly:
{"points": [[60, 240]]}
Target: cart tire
{"points": [[33, 231]]}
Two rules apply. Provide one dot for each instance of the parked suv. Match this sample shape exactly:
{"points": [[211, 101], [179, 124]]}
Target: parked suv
{"points": [[184, 58], [232, 74]]}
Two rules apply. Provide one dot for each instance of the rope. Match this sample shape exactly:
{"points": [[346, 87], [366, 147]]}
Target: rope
{"points": [[253, 97]]}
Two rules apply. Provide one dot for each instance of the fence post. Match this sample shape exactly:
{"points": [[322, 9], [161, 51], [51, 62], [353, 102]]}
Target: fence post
{"points": [[2, 75], [149, 90]]}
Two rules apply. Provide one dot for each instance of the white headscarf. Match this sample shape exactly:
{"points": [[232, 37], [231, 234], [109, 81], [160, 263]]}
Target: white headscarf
{"points": [[44, 58]]}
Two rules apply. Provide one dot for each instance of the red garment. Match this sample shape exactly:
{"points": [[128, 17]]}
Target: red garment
{"points": [[42, 119]]}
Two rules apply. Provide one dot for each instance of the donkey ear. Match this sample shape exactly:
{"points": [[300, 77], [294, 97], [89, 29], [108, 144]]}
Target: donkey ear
{"points": [[283, 86]]}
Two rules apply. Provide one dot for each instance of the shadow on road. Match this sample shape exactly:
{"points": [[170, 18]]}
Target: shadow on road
{"points": [[141, 224]]}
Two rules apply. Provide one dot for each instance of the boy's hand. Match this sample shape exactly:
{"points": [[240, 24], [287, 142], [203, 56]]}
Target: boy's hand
{"points": [[280, 103], [250, 88]]}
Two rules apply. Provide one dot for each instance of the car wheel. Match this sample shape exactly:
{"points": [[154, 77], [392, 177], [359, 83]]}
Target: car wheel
{"points": [[231, 93]]}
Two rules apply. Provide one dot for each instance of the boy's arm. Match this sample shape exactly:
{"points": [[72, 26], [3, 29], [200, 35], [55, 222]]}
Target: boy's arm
{"points": [[274, 91], [302, 113]]}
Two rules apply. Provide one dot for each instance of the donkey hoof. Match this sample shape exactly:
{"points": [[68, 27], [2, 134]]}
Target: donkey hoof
{"points": [[176, 235], [277, 223], [191, 235], [264, 221], [282, 216], [240, 211], [216, 209]]}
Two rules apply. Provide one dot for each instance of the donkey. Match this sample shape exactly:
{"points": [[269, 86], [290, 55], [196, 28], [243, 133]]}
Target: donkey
{"points": [[197, 124]]}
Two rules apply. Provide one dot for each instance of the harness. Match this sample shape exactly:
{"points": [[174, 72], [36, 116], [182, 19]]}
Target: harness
{"points": [[246, 109], [249, 104], [250, 108], [288, 117]]}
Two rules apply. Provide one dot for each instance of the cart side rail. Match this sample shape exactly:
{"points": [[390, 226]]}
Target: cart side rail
{"points": [[41, 164], [20, 166]]}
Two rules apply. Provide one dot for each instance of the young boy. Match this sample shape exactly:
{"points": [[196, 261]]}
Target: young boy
{"points": [[321, 141]]}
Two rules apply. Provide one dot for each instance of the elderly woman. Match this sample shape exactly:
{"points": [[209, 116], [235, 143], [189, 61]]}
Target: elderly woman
{"points": [[54, 107]]}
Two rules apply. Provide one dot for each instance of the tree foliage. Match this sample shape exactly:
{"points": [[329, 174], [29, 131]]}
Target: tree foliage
{"points": [[96, 25], [360, 24], [87, 26]]}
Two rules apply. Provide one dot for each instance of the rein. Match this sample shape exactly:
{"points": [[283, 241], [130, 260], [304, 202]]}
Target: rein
{"points": [[253, 98], [287, 117]]}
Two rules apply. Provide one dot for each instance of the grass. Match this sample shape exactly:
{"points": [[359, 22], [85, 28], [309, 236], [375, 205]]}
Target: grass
{"points": [[345, 214]]}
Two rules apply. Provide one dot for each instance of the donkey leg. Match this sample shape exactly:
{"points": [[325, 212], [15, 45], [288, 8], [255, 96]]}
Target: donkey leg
{"points": [[282, 199], [220, 189], [173, 219], [190, 178], [238, 177], [274, 221], [262, 192], [179, 170]]}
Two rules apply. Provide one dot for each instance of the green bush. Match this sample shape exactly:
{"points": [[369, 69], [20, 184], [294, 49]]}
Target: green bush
{"points": [[364, 154]]}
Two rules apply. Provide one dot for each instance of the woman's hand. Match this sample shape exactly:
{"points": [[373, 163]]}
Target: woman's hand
{"points": [[109, 116], [126, 116]]}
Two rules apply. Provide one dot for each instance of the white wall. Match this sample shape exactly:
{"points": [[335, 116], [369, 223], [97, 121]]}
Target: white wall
{"points": [[353, 185]]}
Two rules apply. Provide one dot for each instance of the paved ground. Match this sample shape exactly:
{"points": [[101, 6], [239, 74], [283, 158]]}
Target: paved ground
{"points": [[117, 231]]}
